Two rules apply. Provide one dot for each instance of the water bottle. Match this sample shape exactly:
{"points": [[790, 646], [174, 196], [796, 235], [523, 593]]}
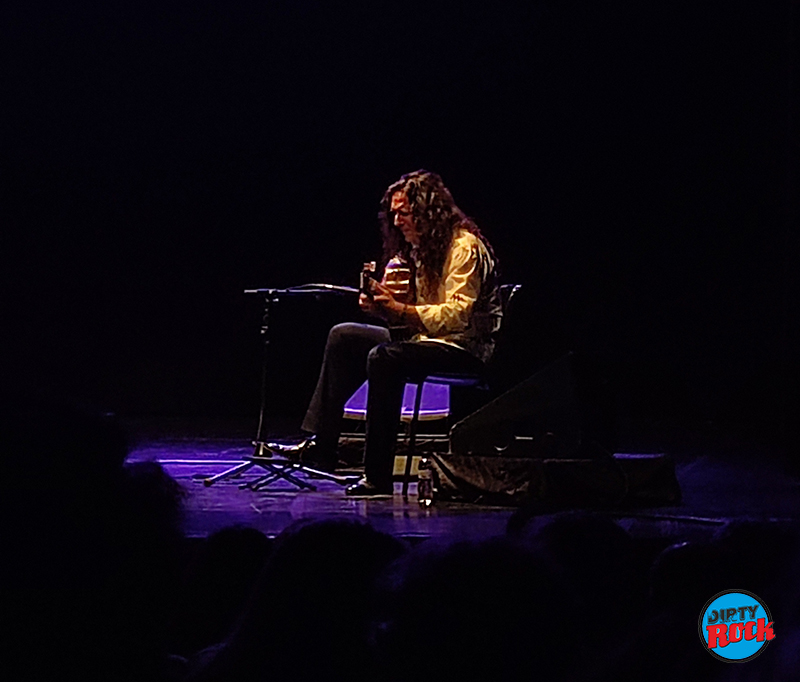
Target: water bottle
{"points": [[425, 483]]}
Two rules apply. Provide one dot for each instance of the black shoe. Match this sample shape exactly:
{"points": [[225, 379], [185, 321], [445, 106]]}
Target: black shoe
{"points": [[316, 457], [293, 451], [366, 489], [307, 452]]}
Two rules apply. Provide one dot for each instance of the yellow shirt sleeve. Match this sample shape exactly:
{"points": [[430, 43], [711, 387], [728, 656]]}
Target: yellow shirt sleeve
{"points": [[457, 293]]}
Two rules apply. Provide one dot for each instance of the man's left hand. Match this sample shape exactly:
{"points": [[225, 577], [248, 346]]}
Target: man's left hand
{"points": [[385, 301]]}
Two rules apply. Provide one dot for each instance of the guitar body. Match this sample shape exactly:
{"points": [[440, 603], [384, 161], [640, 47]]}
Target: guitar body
{"points": [[398, 278]]}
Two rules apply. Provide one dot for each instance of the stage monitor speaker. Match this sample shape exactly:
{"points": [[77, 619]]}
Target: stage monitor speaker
{"points": [[540, 417]]}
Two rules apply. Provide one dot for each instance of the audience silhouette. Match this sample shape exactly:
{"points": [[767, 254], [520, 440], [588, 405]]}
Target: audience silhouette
{"points": [[100, 585]]}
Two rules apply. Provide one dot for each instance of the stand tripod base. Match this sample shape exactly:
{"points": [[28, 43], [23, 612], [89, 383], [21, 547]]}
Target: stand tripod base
{"points": [[277, 468]]}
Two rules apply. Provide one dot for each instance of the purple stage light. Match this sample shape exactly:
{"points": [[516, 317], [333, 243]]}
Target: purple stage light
{"points": [[435, 403]]}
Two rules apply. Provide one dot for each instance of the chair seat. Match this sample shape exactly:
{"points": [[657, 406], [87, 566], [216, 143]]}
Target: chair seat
{"points": [[434, 403]]}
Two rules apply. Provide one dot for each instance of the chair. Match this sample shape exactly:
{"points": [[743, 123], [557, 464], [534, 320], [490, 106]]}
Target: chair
{"points": [[479, 381]]}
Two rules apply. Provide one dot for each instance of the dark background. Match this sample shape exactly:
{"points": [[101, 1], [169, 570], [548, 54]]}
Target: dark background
{"points": [[632, 163]]}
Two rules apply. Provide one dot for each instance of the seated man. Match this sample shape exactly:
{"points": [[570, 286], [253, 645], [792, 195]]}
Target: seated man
{"points": [[451, 319]]}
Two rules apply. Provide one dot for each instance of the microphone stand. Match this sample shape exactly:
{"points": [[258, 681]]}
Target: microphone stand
{"points": [[279, 468]]}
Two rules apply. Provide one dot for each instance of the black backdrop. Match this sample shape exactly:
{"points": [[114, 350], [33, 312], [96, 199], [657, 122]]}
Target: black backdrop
{"points": [[629, 161]]}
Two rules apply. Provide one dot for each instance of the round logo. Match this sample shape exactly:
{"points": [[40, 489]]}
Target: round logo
{"points": [[735, 626]]}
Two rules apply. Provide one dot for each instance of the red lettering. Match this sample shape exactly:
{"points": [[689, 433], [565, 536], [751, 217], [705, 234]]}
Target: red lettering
{"points": [[735, 632], [764, 631], [717, 635], [750, 630]]}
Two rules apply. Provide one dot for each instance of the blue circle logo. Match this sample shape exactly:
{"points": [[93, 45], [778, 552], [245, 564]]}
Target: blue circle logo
{"points": [[735, 626]]}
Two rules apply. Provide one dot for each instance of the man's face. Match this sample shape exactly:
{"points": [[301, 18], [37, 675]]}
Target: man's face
{"points": [[403, 219]]}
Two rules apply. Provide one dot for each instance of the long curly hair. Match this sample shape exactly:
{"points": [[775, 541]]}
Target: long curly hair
{"points": [[437, 218]]}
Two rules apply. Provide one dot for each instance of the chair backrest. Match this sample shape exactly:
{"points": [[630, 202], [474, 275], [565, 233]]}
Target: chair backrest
{"points": [[531, 335], [501, 364], [507, 293]]}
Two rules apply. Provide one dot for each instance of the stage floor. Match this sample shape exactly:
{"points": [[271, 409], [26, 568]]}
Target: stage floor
{"points": [[717, 488]]}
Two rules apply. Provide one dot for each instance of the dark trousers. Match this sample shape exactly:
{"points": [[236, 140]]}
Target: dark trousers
{"points": [[355, 352]]}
